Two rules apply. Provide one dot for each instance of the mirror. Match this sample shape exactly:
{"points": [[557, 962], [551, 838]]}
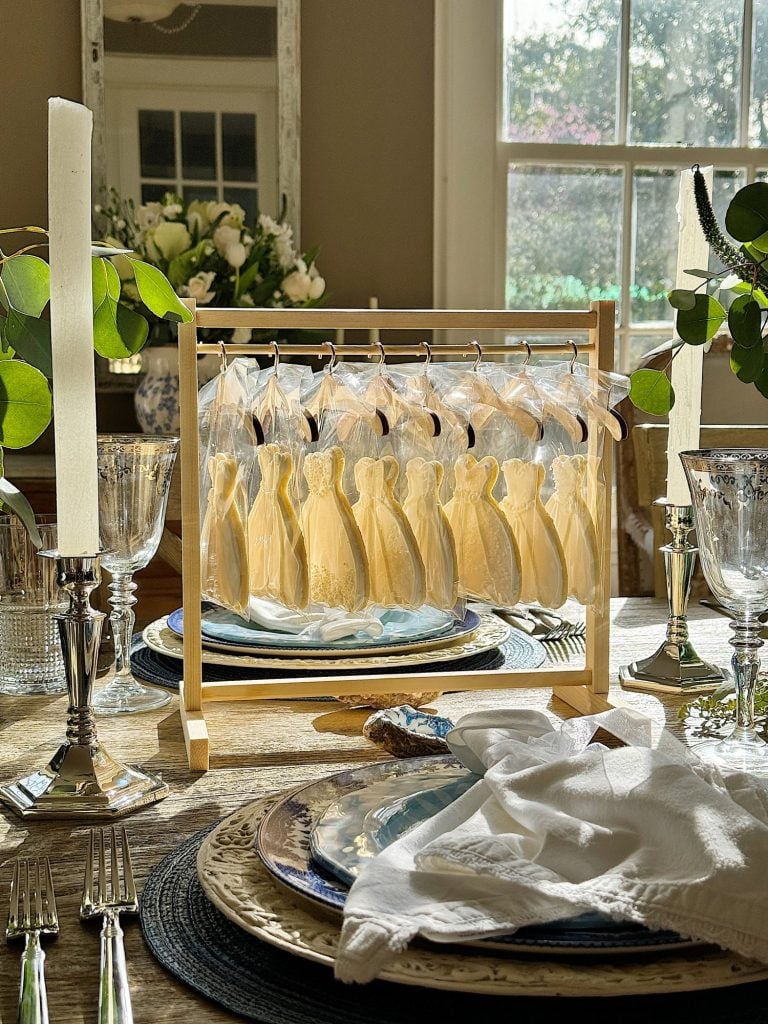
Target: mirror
{"points": [[199, 99]]}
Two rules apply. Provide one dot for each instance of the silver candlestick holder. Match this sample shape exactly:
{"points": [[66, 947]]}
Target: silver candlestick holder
{"points": [[82, 778], [675, 667]]}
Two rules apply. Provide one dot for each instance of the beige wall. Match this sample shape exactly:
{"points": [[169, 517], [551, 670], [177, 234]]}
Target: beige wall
{"points": [[41, 58], [367, 126]]}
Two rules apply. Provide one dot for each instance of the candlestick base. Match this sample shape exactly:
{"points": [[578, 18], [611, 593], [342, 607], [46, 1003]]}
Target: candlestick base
{"points": [[81, 779], [675, 667]]}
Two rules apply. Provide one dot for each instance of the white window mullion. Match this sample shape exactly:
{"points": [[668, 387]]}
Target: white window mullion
{"points": [[627, 258], [746, 74], [622, 97]]}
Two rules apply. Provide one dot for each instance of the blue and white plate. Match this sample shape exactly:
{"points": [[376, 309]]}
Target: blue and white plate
{"points": [[403, 631], [284, 837]]}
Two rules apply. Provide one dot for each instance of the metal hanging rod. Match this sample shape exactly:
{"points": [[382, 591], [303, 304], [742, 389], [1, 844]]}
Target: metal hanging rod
{"points": [[416, 350]]}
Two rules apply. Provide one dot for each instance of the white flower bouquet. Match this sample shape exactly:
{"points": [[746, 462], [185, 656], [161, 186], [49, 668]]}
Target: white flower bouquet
{"points": [[208, 253]]}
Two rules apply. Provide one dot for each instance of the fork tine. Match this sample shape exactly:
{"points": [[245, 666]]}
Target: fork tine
{"points": [[25, 921], [13, 901], [88, 879], [130, 885], [102, 898], [38, 919], [114, 870], [53, 916]]}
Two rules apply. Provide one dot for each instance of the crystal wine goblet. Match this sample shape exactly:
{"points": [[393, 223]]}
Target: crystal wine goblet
{"points": [[134, 480], [729, 488]]}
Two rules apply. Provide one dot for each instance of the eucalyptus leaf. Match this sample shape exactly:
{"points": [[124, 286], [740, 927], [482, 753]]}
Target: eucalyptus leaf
{"points": [[747, 214], [27, 281], [745, 321], [31, 338], [670, 345], [761, 382], [700, 324], [108, 250], [25, 404], [747, 363], [705, 275], [98, 281], [742, 288], [12, 498], [133, 328], [157, 294], [651, 391], [682, 298]]}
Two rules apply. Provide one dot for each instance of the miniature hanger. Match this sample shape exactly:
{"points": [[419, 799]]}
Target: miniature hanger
{"points": [[482, 393], [382, 394], [333, 396], [448, 416], [614, 423], [573, 424]]}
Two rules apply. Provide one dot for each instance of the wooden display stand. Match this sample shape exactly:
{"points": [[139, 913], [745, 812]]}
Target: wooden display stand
{"points": [[585, 689]]}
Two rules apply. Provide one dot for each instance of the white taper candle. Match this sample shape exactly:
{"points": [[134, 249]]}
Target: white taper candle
{"points": [[685, 416], [70, 126]]}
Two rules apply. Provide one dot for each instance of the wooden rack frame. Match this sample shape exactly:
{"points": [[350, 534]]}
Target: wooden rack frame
{"points": [[585, 689]]}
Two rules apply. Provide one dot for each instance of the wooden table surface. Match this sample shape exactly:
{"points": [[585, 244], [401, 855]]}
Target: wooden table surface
{"points": [[269, 747]]}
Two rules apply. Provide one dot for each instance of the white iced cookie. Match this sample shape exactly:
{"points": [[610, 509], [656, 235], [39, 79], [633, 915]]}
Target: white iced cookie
{"points": [[277, 556], [575, 528], [397, 570], [223, 543], [488, 558], [544, 572], [338, 567], [433, 532]]}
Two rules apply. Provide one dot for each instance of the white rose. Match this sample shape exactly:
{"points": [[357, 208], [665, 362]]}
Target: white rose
{"points": [[286, 255], [197, 286], [235, 254], [225, 236], [268, 225], [172, 239], [197, 216], [149, 215], [234, 214], [172, 210], [316, 287], [297, 286]]}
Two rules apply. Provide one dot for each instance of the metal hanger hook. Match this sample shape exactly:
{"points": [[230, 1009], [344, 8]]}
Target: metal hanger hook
{"points": [[528, 354], [382, 355], [574, 357], [276, 356], [223, 356], [426, 348], [332, 365], [479, 357]]}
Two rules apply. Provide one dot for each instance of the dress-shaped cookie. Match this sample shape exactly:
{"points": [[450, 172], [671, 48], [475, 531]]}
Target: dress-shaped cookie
{"points": [[338, 567], [575, 528], [432, 531], [489, 562], [397, 571], [223, 542], [277, 556], [545, 577]]}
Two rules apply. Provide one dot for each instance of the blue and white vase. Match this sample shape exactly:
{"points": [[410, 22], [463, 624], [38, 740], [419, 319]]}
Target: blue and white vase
{"points": [[157, 397]]}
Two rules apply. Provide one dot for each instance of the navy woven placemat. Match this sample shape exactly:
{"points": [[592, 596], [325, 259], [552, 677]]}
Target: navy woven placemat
{"points": [[197, 944]]}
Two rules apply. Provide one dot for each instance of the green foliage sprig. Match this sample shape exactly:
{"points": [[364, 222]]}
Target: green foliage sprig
{"points": [[25, 338], [737, 294], [712, 714]]}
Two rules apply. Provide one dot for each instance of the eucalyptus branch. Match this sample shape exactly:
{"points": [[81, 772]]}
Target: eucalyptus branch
{"points": [[728, 254], [26, 248], [29, 228]]}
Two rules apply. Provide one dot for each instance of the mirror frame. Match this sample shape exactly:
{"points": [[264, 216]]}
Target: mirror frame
{"points": [[288, 100]]}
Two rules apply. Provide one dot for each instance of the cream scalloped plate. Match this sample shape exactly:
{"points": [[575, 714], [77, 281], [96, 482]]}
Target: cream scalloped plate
{"points": [[491, 632], [238, 885]]}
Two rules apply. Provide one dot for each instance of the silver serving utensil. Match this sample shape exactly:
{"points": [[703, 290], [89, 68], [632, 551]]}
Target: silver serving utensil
{"points": [[109, 899], [32, 913]]}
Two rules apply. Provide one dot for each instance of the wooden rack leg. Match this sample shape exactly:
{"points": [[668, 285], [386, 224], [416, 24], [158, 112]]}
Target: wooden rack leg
{"points": [[195, 731]]}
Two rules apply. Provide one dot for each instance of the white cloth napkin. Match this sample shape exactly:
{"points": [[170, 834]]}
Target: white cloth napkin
{"points": [[316, 623], [559, 826]]}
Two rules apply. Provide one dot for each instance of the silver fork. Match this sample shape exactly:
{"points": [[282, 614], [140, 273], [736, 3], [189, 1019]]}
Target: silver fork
{"points": [[108, 900], [32, 913]]}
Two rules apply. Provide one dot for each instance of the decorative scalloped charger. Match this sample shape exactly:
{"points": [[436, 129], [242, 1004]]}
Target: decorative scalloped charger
{"points": [[235, 881]]}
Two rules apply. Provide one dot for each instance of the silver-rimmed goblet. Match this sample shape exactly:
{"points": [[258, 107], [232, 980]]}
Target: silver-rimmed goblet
{"points": [[729, 488], [134, 480]]}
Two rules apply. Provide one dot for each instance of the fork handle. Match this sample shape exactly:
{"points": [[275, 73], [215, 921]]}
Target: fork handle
{"points": [[33, 1001], [114, 994]]}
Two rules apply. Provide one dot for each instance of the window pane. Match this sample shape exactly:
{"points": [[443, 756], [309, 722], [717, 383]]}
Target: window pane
{"points": [[560, 70], [758, 121], [153, 193], [201, 192], [685, 61], [238, 146], [563, 236], [198, 145], [639, 346], [248, 198], [656, 193], [156, 144]]}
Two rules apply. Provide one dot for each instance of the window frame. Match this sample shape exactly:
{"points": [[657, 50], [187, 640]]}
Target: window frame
{"points": [[472, 160]]}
